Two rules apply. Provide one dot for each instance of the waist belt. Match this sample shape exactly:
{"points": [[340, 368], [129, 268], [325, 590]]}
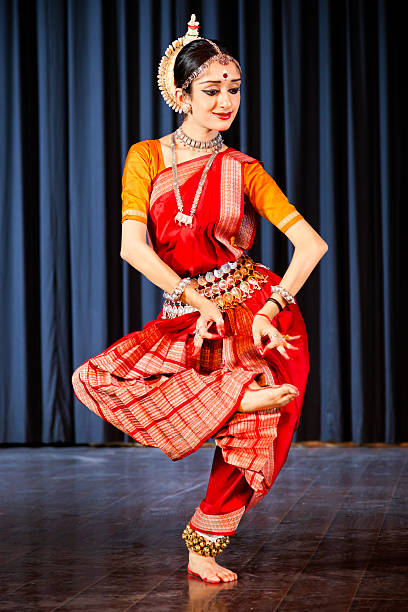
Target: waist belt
{"points": [[227, 286]]}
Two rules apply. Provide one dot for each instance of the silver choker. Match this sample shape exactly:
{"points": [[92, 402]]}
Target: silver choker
{"points": [[206, 145]]}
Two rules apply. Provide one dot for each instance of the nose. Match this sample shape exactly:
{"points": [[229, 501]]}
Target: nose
{"points": [[225, 101]]}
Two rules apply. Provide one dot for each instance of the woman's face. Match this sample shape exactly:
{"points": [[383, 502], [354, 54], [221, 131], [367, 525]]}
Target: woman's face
{"points": [[215, 96]]}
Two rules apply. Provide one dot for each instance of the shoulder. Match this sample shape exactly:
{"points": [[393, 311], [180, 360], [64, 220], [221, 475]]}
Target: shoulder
{"points": [[144, 157], [243, 158], [143, 149]]}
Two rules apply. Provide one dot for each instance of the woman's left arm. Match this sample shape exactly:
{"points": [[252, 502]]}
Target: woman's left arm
{"points": [[309, 249]]}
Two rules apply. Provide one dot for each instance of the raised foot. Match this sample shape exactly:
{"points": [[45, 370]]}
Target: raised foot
{"points": [[258, 397], [208, 569]]}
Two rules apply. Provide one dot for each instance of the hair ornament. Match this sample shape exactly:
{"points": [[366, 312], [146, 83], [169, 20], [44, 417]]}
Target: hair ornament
{"points": [[165, 76]]}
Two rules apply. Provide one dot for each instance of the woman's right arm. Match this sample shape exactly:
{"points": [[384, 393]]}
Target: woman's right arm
{"points": [[140, 255]]}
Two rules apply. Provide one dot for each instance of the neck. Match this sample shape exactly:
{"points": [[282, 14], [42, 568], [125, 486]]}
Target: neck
{"points": [[198, 132]]}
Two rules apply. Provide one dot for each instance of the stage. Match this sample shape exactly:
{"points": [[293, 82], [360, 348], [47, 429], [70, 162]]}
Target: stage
{"points": [[98, 529]]}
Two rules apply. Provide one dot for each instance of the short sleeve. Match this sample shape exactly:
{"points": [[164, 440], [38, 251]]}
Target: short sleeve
{"points": [[137, 183], [267, 198]]}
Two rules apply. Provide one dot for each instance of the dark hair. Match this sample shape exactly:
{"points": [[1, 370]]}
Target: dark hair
{"points": [[191, 57]]}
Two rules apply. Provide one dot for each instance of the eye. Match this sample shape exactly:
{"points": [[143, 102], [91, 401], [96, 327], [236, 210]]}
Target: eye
{"points": [[212, 92]]}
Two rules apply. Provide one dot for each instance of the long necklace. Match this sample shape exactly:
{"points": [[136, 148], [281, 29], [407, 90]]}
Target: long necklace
{"points": [[181, 218], [209, 145]]}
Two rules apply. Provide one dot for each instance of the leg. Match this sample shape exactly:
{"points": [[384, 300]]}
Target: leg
{"points": [[219, 514], [229, 495]]}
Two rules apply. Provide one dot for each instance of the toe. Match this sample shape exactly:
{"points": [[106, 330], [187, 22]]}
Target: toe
{"points": [[213, 578], [227, 576]]}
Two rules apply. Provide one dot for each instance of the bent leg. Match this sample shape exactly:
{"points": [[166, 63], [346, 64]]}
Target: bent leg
{"points": [[227, 495]]}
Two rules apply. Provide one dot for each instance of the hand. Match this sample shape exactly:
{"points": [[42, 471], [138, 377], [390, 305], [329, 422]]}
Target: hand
{"points": [[261, 328], [209, 313]]}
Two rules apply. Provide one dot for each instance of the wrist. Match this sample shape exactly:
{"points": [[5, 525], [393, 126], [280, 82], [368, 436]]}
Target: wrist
{"points": [[279, 298], [270, 309], [193, 298]]}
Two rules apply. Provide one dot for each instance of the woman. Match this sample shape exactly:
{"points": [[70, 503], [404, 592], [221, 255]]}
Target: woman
{"points": [[227, 357]]}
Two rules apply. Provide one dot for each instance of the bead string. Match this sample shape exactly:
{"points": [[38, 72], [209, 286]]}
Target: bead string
{"points": [[181, 218], [209, 145]]}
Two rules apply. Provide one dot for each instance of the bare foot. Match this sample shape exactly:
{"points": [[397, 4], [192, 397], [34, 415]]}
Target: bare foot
{"points": [[208, 568], [261, 398]]}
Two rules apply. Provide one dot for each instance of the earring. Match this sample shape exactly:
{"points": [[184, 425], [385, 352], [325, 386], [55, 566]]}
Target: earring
{"points": [[186, 108]]}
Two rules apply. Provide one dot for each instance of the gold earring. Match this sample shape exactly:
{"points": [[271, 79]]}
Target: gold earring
{"points": [[186, 108]]}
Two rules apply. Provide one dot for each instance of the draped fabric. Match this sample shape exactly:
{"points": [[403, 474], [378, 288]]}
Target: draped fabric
{"points": [[150, 384], [321, 108]]}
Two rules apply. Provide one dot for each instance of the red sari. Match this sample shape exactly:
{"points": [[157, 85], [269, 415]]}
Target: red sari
{"points": [[149, 385]]}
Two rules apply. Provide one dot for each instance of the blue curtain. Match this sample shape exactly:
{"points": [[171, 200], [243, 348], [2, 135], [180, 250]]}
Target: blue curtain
{"points": [[321, 107]]}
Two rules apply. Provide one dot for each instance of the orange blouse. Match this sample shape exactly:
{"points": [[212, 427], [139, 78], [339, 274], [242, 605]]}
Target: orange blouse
{"points": [[145, 160]]}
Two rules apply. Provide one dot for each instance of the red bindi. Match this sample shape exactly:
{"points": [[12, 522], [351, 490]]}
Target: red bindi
{"points": [[225, 75]]}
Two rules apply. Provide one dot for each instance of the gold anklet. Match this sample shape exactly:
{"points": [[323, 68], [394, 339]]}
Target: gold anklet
{"points": [[202, 546]]}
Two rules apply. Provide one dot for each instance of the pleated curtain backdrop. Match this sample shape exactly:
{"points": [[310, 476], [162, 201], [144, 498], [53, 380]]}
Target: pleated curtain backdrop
{"points": [[321, 107]]}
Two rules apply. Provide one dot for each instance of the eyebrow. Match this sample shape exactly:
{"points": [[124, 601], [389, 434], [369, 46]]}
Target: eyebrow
{"points": [[232, 81]]}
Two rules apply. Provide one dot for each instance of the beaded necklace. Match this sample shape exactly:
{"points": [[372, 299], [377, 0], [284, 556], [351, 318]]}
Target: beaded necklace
{"points": [[181, 218]]}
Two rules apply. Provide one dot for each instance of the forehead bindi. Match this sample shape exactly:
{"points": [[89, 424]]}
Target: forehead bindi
{"points": [[221, 73], [222, 76]]}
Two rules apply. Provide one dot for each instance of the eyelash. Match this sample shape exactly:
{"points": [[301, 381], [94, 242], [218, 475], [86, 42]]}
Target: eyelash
{"points": [[212, 92]]}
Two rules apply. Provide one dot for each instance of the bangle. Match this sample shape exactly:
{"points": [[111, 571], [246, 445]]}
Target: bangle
{"points": [[287, 296], [178, 289], [271, 299], [259, 314]]}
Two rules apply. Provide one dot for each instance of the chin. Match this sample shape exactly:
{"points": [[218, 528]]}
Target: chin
{"points": [[223, 124]]}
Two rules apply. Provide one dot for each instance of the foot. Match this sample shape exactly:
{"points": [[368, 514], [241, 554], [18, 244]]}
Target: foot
{"points": [[208, 569], [262, 398]]}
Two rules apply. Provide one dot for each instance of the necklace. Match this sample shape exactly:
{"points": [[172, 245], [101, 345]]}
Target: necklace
{"points": [[209, 145], [181, 218]]}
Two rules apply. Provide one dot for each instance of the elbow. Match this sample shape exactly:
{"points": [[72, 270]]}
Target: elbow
{"points": [[320, 249], [315, 250], [323, 247]]}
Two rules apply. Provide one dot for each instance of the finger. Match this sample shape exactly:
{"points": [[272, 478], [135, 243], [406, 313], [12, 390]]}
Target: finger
{"points": [[293, 337], [205, 334], [257, 341], [288, 345], [198, 342], [220, 326], [282, 351], [271, 345]]}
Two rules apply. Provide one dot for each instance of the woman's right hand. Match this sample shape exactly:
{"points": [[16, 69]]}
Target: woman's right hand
{"points": [[209, 313]]}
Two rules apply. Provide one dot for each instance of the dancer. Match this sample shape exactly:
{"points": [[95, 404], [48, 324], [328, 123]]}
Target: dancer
{"points": [[227, 357]]}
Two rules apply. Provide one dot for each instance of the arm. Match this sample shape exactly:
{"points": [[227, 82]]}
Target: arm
{"points": [[140, 255], [136, 192], [309, 249], [269, 200], [272, 204]]}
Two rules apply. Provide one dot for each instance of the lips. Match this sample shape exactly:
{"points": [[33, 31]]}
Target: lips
{"points": [[223, 115]]}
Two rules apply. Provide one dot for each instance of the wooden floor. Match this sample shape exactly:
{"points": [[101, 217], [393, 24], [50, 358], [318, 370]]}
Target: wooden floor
{"points": [[98, 529]]}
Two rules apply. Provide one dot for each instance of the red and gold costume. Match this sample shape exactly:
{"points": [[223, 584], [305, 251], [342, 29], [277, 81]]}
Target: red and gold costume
{"points": [[149, 385]]}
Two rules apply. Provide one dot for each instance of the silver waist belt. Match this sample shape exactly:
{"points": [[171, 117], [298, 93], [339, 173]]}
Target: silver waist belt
{"points": [[228, 285]]}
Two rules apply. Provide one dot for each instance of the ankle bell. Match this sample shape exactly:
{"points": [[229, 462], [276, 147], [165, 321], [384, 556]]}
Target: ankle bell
{"points": [[201, 545]]}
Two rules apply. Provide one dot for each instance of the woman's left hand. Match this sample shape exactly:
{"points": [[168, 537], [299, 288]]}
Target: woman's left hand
{"points": [[261, 329]]}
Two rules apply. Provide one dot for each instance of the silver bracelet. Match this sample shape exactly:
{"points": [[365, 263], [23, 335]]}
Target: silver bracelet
{"points": [[178, 290], [287, 296]]}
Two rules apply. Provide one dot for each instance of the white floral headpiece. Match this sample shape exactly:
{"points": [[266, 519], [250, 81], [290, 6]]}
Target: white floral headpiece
{"points": [[165, 76]]}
